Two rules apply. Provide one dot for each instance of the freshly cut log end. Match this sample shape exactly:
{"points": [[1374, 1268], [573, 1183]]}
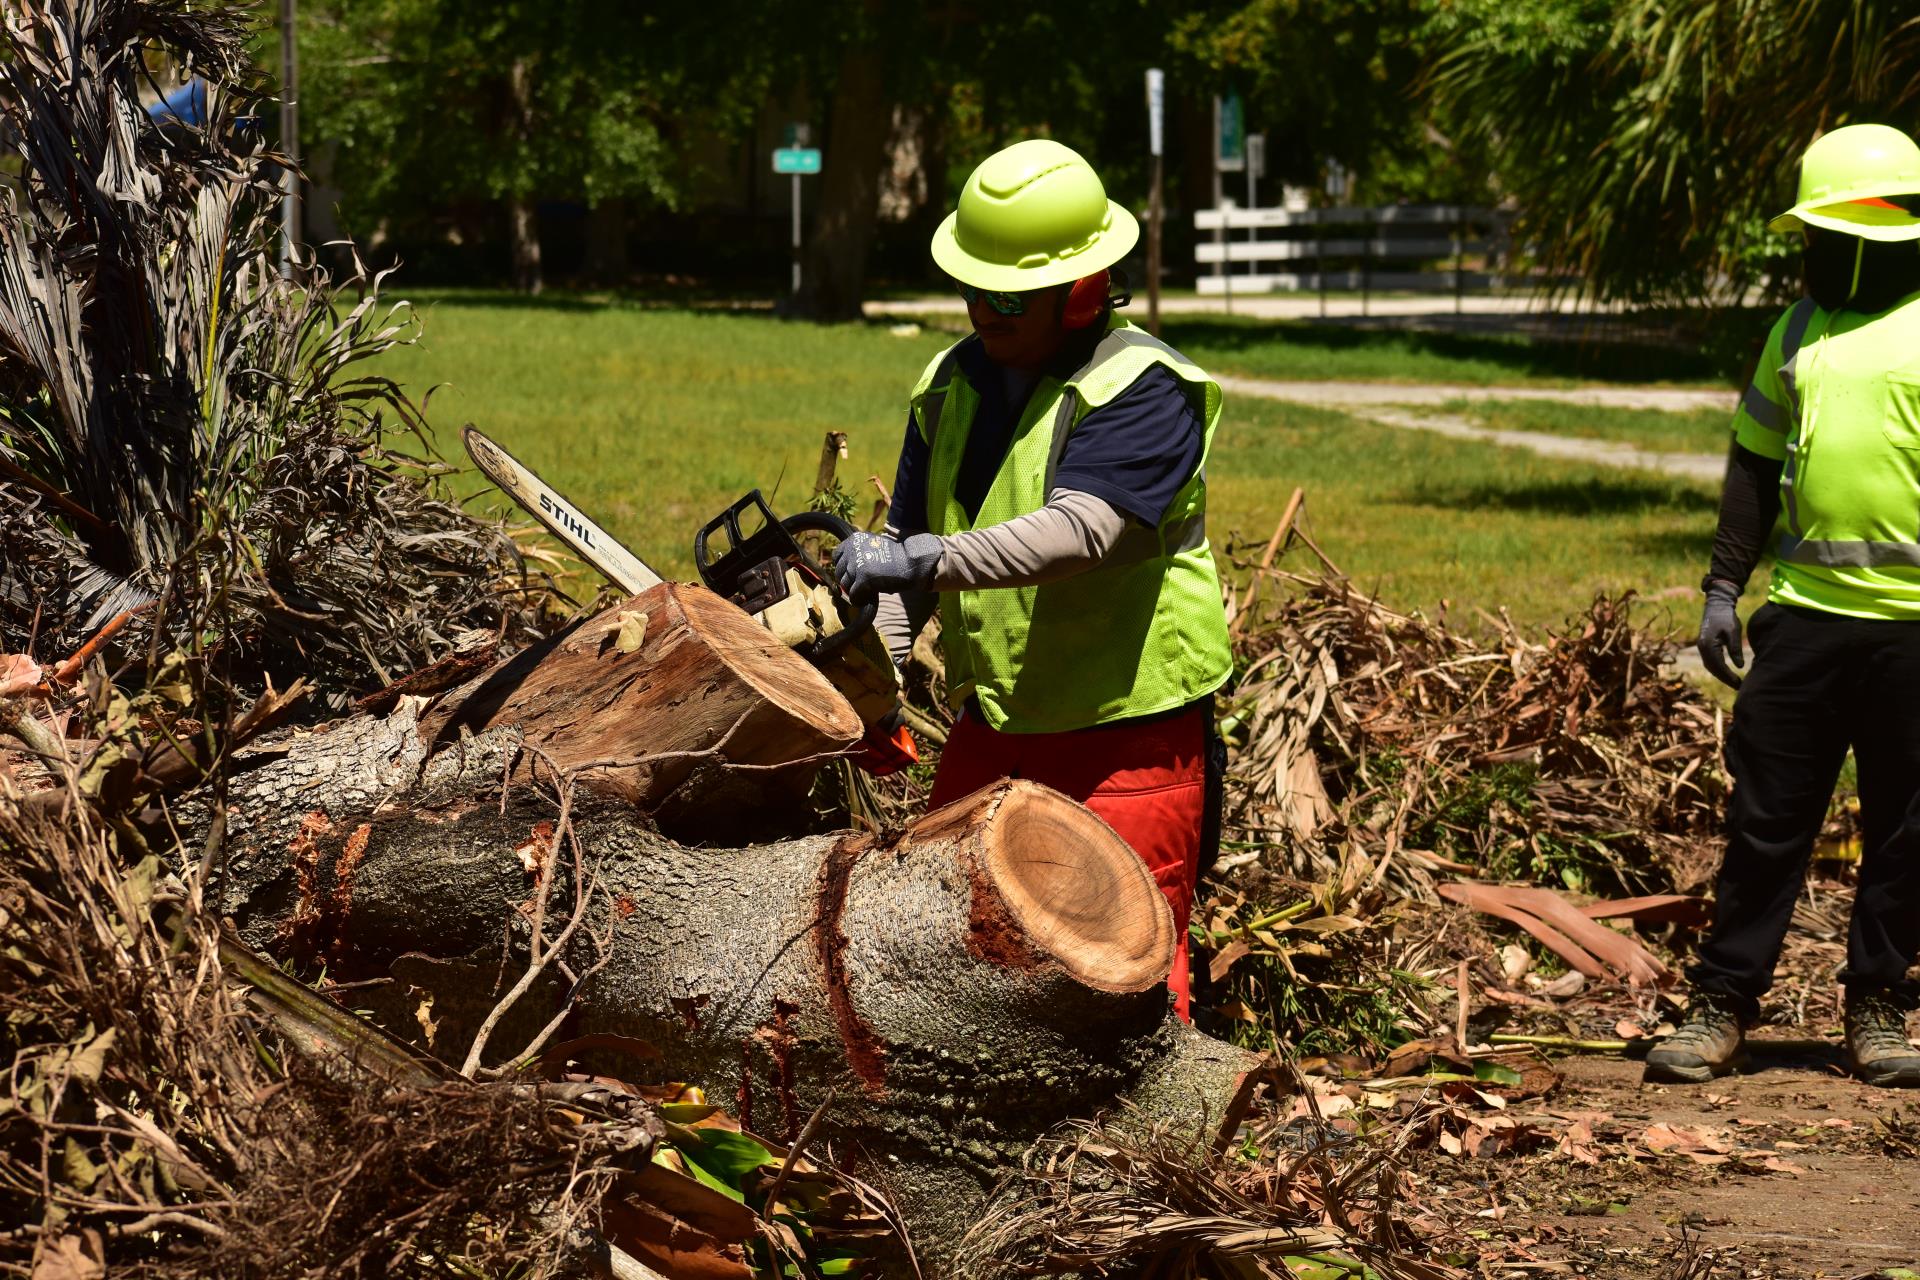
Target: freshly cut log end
{"points": [[1074, 891], [712, 722], [802, 708]]}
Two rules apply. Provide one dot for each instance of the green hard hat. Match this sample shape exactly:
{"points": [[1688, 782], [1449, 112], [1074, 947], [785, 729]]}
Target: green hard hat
{"points": [[1845, 179], [1030, 216]]}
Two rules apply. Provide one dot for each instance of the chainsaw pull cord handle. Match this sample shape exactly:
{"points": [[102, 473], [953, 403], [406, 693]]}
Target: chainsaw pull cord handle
{"points": [[857, 622]]}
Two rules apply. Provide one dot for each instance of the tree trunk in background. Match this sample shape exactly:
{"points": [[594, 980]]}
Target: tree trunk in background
{"points": [[933, 163], [959, 989], [834, 267], [1192, 182], [523, 222], [607, 241]]}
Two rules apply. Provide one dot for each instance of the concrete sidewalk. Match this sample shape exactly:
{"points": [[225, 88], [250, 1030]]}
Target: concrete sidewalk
{"points": [[1398, 406], [1347, 395]]}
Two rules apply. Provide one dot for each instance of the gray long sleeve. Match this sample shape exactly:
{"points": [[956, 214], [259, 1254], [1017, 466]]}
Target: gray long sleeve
{"points": [[1071, 534], [899, 618]]}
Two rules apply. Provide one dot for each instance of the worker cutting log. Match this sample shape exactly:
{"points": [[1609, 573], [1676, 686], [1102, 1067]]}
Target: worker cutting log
{"points": [[1828, 434], [1051, 502]]}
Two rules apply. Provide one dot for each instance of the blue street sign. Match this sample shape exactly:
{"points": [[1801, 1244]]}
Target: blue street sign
{"points": [[796, 160]]}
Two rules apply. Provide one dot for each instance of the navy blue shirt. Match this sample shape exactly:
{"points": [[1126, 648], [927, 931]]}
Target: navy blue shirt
{"points": [[1136, 452]]}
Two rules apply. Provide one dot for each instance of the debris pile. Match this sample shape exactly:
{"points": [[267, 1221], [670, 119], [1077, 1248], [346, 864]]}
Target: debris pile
{"points": [[1292, 1194], [152, 1120], [1362, 735]]}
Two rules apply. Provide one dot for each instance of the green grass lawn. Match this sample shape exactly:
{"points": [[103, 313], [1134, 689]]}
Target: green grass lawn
{"points": [[1305, 350], [652, 420], [1419, 519], [1700, 431]]}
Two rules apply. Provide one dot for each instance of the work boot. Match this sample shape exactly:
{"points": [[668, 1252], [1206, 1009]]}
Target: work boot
{"points": [[1708, 1044], [1877, 1041]]}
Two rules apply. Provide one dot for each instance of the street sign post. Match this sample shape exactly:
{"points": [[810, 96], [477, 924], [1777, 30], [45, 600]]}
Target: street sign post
{"points": [[796, 160], [1156, 110], [1156, 133], [1256, 168]]}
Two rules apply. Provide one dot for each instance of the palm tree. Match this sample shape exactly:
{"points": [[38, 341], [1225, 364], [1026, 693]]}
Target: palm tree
{"points": [[1646, 142], [180, 424]]}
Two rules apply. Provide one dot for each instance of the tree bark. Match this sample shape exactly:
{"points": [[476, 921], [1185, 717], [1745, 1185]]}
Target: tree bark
{"points": [[523, 221], [834, 270], [607, 259], [958, 990]]}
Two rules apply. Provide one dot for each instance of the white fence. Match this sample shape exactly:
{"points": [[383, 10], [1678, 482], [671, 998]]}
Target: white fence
{"points": [[1386, 248]]}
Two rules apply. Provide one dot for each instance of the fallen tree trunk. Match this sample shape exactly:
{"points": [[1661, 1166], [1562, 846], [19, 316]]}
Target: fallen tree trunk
{"points": [[958, 990]]}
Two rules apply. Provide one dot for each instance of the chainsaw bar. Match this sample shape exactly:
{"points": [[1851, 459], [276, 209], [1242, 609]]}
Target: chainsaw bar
{"points": [[561, 518]]}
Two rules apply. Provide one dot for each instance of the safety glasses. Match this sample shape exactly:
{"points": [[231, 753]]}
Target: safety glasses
{"points": [[1007, 304]]}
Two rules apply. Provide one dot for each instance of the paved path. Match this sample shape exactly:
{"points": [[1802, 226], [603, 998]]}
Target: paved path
{"points": [[1391, 405], [1346, 395], [1705, 467]]}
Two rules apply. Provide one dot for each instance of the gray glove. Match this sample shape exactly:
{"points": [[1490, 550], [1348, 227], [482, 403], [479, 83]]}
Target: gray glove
{"points": [[869, 564], [1720, 632]]}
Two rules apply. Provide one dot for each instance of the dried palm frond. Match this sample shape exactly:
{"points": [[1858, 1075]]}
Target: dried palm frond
{"points": [[1102, 1198], [153, 1124], [183, 423], [1361, 735]]}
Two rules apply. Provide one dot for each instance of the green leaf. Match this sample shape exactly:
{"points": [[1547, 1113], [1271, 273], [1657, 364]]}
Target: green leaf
{"points": [[686, 1112], [698, 1172], [86, 1065], [718, 1157], [1495, 1073], [77, 1168]]}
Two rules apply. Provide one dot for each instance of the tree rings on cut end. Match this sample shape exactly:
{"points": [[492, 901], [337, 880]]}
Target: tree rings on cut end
{"points": [[757, 658], [1076, 890]]}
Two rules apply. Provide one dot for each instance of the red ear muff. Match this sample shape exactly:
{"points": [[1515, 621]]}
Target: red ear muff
{"points": [[1085, 301]]}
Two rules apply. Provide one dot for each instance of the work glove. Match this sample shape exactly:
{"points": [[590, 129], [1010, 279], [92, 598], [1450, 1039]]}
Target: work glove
{"points": [[869, 564], [1720, 632]]}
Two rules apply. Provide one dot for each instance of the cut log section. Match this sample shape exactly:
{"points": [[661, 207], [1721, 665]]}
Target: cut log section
{"points": [[701, 709], [959, 990], [696, 715]]}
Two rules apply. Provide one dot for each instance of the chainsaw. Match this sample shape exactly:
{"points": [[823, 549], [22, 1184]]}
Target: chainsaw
{"points": [[752, 557]]}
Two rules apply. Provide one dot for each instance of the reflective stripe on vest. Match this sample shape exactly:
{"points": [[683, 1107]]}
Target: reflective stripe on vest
{"points": [[1797, 321], [1850, 554]]}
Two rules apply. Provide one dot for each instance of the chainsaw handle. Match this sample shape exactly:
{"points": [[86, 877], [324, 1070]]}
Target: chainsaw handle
{"points": [[861, 620]]}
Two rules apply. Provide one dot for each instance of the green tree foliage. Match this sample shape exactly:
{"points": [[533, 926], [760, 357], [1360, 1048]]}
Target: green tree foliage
{"points": [[473, 112], [1327, 80], [1645, 143]]}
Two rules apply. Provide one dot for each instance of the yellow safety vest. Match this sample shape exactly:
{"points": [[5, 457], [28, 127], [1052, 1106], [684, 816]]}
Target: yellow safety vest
{"points": [[1837, 399], [1145, 630]]}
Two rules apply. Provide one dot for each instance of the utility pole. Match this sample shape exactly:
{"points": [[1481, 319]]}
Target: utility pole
{"points": [[289, 137], [1156, 100]]}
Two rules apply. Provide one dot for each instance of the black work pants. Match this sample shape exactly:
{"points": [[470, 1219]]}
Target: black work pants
{"points": [[1819, 683]]}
